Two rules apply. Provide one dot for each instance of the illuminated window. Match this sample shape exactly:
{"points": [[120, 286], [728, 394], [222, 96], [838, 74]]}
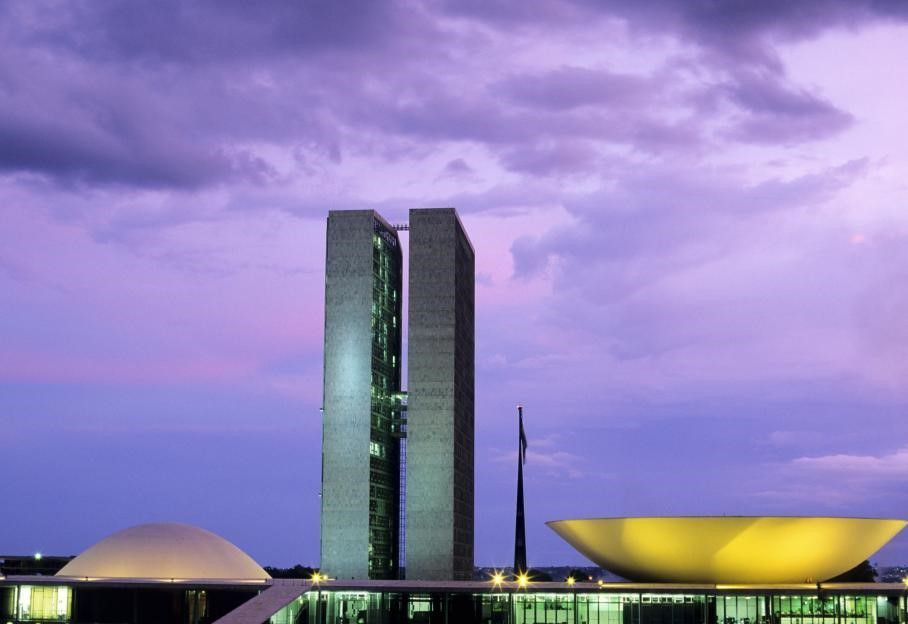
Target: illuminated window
{"points": [[376, 449], [43, 602]]}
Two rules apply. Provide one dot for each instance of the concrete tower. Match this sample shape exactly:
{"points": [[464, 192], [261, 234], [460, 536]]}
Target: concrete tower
{"points": [[360, 464], [439, 502]]}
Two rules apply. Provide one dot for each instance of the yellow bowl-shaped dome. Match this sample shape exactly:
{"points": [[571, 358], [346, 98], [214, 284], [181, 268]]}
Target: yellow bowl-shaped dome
{"points": [[728, 549], [165, 551]]}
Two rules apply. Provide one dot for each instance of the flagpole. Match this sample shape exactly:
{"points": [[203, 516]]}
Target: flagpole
{"points": [[520, 544]]}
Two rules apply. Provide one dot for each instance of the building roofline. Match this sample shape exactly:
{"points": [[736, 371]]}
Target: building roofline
{"points": [[411, 586], [456, 216], [85, 581]]}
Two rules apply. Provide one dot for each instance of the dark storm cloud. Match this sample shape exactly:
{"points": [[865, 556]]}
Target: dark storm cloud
{"points": [[93, 127], [571, 87], [170, 95], [209, 31], [678, 248], [776, 112], [760, 93], [564, 157], [75, 153], [740, 28], [162, 95], [737, 39], [561, 111], [457, 168], [526, 140], [734, 29]]}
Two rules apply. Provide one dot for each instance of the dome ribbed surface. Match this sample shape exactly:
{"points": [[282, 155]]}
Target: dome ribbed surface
{"points": [[165, 551]]}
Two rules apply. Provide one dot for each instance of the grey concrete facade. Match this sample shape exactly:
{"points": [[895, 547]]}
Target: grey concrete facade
{"points": [[439, 505], [362, 362]]}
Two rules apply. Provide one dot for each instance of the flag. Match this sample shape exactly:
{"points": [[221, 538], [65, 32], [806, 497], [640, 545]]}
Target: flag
{"points": [[523, 437]]}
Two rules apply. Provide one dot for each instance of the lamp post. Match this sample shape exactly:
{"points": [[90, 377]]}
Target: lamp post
{"points": [[317, 578], [570, 580]]}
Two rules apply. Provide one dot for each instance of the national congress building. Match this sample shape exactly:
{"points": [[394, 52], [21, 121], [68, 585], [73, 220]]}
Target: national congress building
{"points": [[397, 467], [381, 513]]}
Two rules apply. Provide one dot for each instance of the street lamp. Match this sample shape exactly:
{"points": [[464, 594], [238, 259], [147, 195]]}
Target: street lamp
{"points": [[317, 578]]}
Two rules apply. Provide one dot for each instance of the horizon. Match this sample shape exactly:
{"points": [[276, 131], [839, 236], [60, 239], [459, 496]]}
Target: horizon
{"points": [[690, 233]]}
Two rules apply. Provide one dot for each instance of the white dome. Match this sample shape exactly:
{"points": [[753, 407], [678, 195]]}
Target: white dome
{"points": [[165, 551]]}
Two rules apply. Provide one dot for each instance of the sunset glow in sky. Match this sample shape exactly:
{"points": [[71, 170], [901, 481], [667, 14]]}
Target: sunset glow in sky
{"points": [[691, 236]]}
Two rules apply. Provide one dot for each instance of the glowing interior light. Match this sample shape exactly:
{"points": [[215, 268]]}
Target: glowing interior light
{"points": [[62, 600]]}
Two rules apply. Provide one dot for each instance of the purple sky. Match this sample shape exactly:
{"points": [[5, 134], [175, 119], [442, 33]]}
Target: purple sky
{"points": [[690, 228]]}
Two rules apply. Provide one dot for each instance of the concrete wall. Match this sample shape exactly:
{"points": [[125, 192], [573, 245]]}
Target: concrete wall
{"points": [[347, 394], [440, 387]]}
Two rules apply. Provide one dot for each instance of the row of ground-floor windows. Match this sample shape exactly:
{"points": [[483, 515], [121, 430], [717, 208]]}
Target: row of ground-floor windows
{"points": [[60, 604], [589, 608], [45, 603]]}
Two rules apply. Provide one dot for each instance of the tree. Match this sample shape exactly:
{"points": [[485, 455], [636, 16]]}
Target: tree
{"points": [[863, 572], [581, 576], [297, 571], [538, 576]]}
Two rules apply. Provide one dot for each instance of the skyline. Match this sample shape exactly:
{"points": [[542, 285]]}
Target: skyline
{"points": [[689, 228]]}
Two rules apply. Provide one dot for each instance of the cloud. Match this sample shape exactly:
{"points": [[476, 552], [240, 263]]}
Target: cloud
{"points": [[115, 109], [889, 466], [212, 32], [838, 481], [220, 93], [788, 438], [108, 129], [652, 213], [688, 283], [84, 155], [547, 457], [457, 169], [674, 186], [559, 158], [774, 112], [735, 31], [567, 88]]}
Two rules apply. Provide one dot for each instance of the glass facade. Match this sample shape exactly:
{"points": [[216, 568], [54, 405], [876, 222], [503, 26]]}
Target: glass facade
{"points": [[38, 603], [466, 604], [582, 607], [43, 603], [400, 430], [384, 467], [837, 610]]}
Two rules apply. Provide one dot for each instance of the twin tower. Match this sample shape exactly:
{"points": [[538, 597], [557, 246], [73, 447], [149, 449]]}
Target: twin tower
{"points": [[397, 466]]}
